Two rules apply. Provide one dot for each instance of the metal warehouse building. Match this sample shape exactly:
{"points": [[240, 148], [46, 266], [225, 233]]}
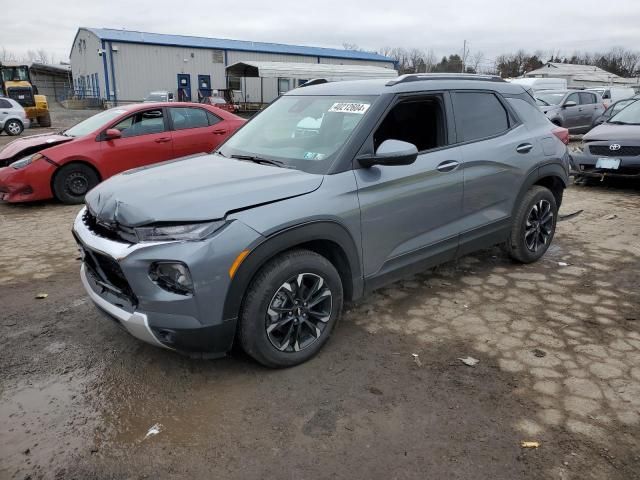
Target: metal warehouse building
{"points": [[124, 66]]}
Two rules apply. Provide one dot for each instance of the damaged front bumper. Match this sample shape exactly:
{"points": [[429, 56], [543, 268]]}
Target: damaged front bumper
{"points": [[116, 276], [588, 165]]}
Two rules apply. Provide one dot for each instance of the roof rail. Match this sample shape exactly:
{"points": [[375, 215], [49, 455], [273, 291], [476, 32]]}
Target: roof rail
{"points": [[419, 77]]}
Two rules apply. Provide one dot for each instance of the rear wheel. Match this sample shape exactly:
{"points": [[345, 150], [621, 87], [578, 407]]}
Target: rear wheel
{"points": [[45, 120], [534, 225], [73, 181], [13, 127], [290, 309]]}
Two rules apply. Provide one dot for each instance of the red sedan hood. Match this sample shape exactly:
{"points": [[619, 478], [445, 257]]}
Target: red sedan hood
{"points": [[32, 143]]}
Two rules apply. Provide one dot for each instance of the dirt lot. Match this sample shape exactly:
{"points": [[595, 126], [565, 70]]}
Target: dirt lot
{"points": [[559, 351]]}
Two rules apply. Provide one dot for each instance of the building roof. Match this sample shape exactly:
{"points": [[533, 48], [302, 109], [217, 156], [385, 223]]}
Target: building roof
{"points": [[308, 71], [129, 36], [579, 72]]}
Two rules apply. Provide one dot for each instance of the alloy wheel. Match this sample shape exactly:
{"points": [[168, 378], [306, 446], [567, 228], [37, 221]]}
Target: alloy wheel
{"points": [[539, 226], [14, 128], [299, 312]]}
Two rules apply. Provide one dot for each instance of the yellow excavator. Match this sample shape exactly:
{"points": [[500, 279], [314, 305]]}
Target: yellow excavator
{"points": [[15, 83]]}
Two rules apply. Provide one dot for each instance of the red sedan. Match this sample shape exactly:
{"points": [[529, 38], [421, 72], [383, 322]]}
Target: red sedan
{"points": [[67, 165]]}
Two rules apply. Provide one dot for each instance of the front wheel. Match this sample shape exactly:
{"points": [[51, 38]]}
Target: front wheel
{"points": [[534, 225], [13, 127], [73, 181], [290, 309]]}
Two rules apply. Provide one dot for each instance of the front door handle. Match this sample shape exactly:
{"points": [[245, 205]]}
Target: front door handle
{"points": [[162, 140], [219, 132], [524, 148], [447, 166]]}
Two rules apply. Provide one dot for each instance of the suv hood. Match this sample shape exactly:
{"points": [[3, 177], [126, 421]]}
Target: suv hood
{"points": [[32, 144], [200, 188], [612, 132]]}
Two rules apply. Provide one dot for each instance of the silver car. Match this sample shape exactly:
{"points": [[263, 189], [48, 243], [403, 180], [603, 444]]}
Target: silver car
{"points": [[572, 109], [263, 241], [13, 119]]}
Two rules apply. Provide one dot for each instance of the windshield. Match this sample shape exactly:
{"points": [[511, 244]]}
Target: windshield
{"points": [[620, 105], [630, 115], [550, 98], [92, 124], [15, 74], [303, 132]]}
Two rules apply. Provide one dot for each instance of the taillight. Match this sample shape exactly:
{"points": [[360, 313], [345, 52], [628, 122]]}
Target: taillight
{"points": [[562, 134]]}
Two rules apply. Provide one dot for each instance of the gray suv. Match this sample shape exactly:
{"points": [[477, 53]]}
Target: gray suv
{"points": [[331, 192], [574, 110]]}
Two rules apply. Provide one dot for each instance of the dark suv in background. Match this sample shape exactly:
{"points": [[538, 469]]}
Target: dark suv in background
{"points": [[334, 190]]}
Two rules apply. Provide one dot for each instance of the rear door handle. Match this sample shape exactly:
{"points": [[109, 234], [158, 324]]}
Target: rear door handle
{"points": [[219, 132], [447, 166], [524, 148], [162, 140]]}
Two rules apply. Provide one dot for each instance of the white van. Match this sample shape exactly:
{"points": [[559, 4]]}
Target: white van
{"points": [[540, 83], [613, 94]]}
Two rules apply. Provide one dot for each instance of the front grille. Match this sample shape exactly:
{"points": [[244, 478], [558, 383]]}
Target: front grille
{"points": [[22, 95], [108, 274], [110, 232], [605, 151]]}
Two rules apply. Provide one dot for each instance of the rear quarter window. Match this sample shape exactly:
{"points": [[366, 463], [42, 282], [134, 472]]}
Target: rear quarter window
{"points": [[478, 115], [530, 115], [5, 103]]}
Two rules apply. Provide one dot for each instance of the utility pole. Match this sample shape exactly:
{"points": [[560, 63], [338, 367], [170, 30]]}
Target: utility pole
{"points": [[464, 55]]}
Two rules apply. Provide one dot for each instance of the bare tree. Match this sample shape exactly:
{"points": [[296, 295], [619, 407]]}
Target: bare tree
{"points": [[350, 46]]}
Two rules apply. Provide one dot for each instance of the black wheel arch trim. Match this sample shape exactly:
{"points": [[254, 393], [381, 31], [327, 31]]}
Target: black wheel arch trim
{"points": [[283, 240], [553, 170]]}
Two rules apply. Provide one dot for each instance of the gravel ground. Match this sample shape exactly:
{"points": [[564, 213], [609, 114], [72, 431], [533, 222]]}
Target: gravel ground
{"points": [[558, 344]]}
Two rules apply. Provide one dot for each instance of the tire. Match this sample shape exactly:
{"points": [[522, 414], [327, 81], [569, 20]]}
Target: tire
{"points": [[534, 225], [13, 127], [72, 182], [45, 120], [295, 332]]}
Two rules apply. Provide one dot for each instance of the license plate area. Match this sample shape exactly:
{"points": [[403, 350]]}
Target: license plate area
{"points": [[608, 163]]}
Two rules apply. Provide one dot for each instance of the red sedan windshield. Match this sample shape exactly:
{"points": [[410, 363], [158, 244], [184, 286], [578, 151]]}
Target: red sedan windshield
{"points": [[92, 124]]}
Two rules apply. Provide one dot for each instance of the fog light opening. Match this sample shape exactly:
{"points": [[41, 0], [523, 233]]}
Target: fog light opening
{"points": [[172, 276]]}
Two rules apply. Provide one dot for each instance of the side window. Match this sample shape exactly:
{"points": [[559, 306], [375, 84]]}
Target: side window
{"points": [[606, 95], [574, 97], [420, 122], [478, 115], [142, 123], [186, 117], [213, 119], [587, 98], [5, 103]]}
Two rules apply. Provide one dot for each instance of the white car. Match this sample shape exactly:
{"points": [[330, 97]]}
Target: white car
{"points": [[13, 118], [613, 94]]}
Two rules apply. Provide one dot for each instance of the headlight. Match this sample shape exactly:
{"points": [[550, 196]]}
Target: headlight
{"points": [[23, 162], [163, 233]]}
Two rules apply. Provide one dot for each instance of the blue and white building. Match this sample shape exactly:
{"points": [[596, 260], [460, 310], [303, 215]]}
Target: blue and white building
{"points": [[124, 66]]}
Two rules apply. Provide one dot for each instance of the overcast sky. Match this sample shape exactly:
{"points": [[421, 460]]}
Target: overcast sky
{"points": [[490, 26]]}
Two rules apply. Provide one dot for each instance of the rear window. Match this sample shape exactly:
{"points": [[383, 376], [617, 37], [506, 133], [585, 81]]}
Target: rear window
{"points": [[478, 115], [184, 118]]}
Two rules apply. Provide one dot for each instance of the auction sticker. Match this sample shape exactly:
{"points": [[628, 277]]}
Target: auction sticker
{"points": [[344, 107]]}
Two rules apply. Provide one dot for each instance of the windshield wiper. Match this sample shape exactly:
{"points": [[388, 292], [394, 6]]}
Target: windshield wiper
{"points": [[264, 161], [618, 122]]}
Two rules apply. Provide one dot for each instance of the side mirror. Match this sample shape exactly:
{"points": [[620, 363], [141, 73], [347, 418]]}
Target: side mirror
{"points": [[391, 152], [570, 103], [112, 134]]}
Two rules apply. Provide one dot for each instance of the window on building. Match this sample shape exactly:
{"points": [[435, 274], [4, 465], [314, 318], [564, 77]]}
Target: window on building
{"points": [[283, 86], [235, 83], [420, 122], [478, 115], [184, 118], [142, 123]]}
